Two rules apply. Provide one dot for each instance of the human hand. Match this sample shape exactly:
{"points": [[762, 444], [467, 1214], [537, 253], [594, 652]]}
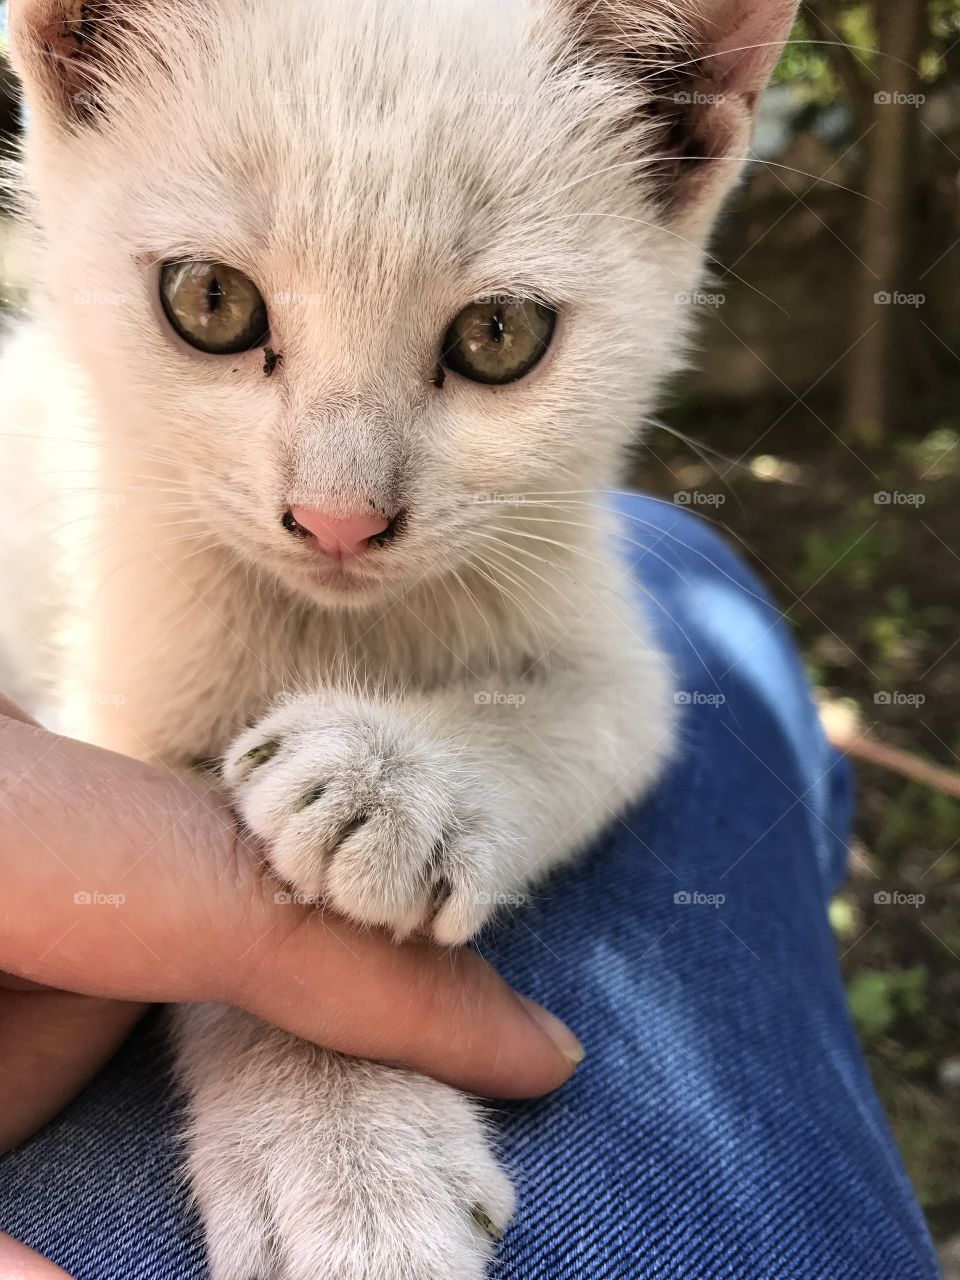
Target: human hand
{"points": [[121, 884]]}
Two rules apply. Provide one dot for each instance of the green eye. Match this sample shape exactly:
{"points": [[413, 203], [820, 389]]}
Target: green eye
{"points": [[498, 340], [213, 307]]}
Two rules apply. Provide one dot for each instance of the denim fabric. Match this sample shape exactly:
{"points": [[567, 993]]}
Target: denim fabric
{"points": [[723, 1124]]}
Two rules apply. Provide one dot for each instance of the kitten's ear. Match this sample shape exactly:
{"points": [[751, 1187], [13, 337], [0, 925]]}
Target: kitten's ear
{"points": [[70, 54], [702, 66]]}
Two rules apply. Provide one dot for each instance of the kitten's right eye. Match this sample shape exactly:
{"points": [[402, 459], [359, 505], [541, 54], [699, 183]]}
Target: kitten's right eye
{"points": [[213, 307]]}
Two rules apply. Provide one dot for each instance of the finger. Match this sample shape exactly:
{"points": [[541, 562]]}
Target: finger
{"points": [[446, 1013], [52, 1043], [17, 1262], [187, 915]]}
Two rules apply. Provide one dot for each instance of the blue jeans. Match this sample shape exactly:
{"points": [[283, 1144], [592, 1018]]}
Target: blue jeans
{"points": [[723, 1124]]}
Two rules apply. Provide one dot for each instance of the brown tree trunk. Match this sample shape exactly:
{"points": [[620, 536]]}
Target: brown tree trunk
{"points": [[877, 386]]}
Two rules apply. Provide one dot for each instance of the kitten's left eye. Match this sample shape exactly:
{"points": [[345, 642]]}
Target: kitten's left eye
{"points": [[498, 340], [213, 307]]}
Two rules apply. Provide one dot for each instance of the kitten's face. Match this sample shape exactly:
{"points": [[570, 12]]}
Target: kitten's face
{"points": [[363, 174]]}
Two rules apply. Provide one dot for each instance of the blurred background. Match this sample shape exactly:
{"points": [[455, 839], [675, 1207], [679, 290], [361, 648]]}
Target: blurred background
{"points": [[820, 431]]}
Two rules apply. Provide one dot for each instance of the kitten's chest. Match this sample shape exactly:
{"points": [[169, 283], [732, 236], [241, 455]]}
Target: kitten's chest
{"points": [[174, 680]]}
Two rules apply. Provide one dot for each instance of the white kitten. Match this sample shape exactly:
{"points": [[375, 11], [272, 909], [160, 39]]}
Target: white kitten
{"points": [[356, 305]]}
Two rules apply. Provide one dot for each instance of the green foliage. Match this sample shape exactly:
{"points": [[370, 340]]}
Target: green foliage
{"points": [[843, 916], [921, 819], [935, 457], [945, 20], [809, 64], [904, 1040], [878, 999], [842, 550]]}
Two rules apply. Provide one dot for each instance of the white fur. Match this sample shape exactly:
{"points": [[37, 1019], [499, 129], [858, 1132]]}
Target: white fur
{"points": [[307, 1164], [482, 696]]}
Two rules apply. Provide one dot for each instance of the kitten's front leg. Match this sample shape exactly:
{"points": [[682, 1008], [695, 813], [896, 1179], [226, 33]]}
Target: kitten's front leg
{"points": [[406, 813], [428, 811], [306, 1164]]}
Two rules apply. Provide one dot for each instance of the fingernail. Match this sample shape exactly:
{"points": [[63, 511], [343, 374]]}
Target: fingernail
{"points": [[558, 1031]]}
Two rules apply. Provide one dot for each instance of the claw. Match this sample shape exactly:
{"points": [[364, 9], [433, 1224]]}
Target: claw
{"points": [[309, 798], [260, 755], [486, 1223]]}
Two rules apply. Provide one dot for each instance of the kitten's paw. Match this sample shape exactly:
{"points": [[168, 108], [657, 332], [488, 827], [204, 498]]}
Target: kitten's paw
{"points": [[308, 1165], [360, 805]]}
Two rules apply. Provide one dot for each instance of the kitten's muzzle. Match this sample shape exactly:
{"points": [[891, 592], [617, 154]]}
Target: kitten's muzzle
{"points": [[340, 537]]}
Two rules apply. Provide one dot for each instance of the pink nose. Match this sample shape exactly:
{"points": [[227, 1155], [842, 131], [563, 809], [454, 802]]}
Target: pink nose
{"points": [[340, 536]]}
